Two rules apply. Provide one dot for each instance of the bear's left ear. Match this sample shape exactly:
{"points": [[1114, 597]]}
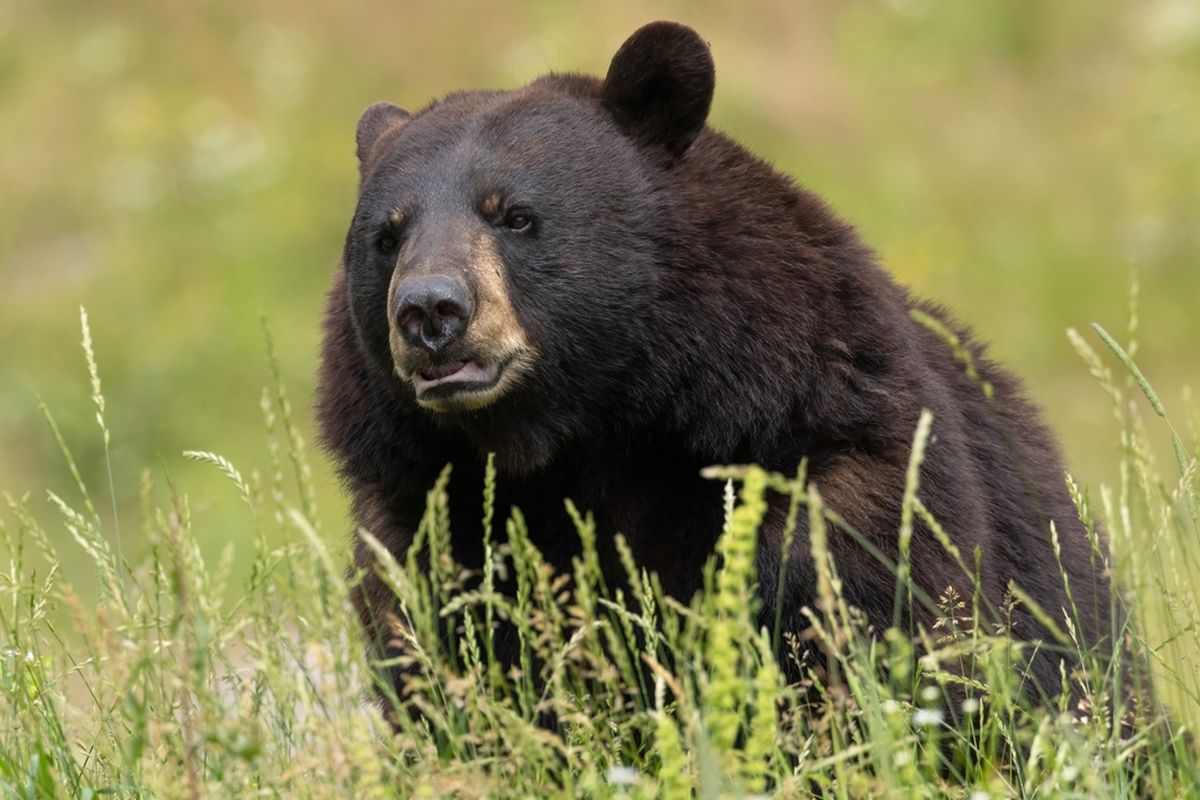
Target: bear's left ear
{"points": [[660, 85], [377, 120]]}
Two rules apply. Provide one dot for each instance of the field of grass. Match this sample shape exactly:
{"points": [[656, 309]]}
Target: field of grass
{"points": [[164, 687], [176, 625]]}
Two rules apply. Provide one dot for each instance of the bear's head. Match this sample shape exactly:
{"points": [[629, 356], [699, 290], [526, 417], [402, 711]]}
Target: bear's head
{"points": [[503, 262]]}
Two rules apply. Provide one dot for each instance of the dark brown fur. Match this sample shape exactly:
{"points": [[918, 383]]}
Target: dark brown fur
{"points": [[690, 306]]}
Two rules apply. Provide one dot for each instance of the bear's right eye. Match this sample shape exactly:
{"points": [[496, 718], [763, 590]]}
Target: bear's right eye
{"points": [[390, 231]]}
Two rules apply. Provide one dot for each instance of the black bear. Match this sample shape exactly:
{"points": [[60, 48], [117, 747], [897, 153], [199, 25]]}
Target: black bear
{"points": [[584, 279]]}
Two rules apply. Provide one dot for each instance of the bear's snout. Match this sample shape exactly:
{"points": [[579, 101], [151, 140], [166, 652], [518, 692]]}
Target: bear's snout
{"points": [[432, 312]]}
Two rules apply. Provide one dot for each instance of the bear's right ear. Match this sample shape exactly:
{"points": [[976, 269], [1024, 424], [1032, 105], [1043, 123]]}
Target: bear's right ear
{"points": [[659, 86], [377, 120]]}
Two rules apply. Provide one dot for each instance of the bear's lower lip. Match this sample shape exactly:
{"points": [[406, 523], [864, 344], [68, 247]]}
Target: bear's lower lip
{"points": [[434, 374], [439, 385]]}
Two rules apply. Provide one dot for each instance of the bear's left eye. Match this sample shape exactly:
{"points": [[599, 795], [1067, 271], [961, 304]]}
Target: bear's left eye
{"points": [[518, 221]]}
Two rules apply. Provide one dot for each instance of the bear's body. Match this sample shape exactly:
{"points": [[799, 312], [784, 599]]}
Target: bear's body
{"points": [[582, 278]]}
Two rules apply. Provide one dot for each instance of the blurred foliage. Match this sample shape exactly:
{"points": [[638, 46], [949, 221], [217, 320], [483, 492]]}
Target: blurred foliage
{"points": [[186, 170]]}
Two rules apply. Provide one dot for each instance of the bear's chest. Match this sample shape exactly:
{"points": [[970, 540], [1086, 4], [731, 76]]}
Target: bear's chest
{"points": [[669, 515]]}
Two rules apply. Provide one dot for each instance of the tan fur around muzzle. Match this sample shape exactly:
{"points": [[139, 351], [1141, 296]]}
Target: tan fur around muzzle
{"points": [[495, 334]]}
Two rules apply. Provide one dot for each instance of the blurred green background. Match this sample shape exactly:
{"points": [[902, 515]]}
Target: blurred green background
{"points": [[186, 169]]}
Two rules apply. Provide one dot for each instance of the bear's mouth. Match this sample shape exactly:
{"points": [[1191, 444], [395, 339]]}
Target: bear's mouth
{"points": [[457, 385]]}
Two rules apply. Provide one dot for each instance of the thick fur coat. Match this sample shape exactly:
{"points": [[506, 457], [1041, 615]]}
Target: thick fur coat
{"points": [[583, 278]]}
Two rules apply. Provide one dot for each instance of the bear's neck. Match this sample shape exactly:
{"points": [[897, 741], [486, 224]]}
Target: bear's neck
{"points": [[798, 319]]}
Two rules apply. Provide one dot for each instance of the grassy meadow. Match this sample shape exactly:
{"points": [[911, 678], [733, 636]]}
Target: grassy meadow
{"points": [[182, 679], [173, 616]]}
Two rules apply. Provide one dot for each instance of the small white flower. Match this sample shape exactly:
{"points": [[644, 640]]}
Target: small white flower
{"points": [[930, 693], [621, 776], [927, 716], [981, 796], [970, 705], [1070, 773], [889, 707]]}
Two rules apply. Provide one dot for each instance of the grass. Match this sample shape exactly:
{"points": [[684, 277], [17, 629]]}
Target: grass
{"points": [[166, 687]]}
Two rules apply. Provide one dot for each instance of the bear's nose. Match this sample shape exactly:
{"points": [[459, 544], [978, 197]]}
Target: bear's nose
{"points": [[433, 311]]}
